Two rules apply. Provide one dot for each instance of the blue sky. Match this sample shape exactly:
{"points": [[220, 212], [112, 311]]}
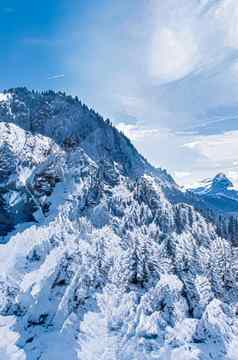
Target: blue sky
{"points": [[165, 72], [27, 35]]}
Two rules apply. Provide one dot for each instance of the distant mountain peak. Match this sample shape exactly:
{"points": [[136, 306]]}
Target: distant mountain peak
{"points": [[217, 193], [221, 182], [222, 178], [218, 184]]}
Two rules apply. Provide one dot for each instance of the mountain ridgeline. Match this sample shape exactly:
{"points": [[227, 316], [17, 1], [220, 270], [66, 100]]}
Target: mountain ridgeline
{"points": [[103, 256], [69, 123]]}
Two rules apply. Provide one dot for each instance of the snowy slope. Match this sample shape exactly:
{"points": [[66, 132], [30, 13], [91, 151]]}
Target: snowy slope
{"points": [[110, 266], [29, 170]]}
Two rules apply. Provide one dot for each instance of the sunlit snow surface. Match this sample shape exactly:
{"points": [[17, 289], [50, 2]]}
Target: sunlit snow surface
{"points": [[112, 269], [4, 97]]}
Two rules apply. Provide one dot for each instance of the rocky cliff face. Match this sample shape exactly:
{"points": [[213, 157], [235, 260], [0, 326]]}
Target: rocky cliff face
{"points": [[100, 257]]}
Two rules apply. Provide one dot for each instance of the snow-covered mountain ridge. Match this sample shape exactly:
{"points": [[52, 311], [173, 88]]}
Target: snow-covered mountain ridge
{"points": [[217, 199], [218, 187], [102, 261], [70, 123], [65, 123]]}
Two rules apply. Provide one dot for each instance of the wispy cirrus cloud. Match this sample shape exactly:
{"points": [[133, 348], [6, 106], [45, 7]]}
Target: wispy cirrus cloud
{"points": [[168, 67], [136, 132], [220, 148], [56, 77], [215, 153]]}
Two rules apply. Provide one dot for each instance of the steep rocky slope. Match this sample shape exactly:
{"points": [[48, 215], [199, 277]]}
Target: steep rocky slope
{"points": [[100, 258]]}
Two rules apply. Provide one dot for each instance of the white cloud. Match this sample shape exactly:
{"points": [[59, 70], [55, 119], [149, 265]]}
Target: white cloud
{"points": [[192, 37], [56, 77], [233, 175], [217, 148], [192, 145], [174, 54], [136, 132], [131, 105], [167, 74], [226, 15], [182, 174]]}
